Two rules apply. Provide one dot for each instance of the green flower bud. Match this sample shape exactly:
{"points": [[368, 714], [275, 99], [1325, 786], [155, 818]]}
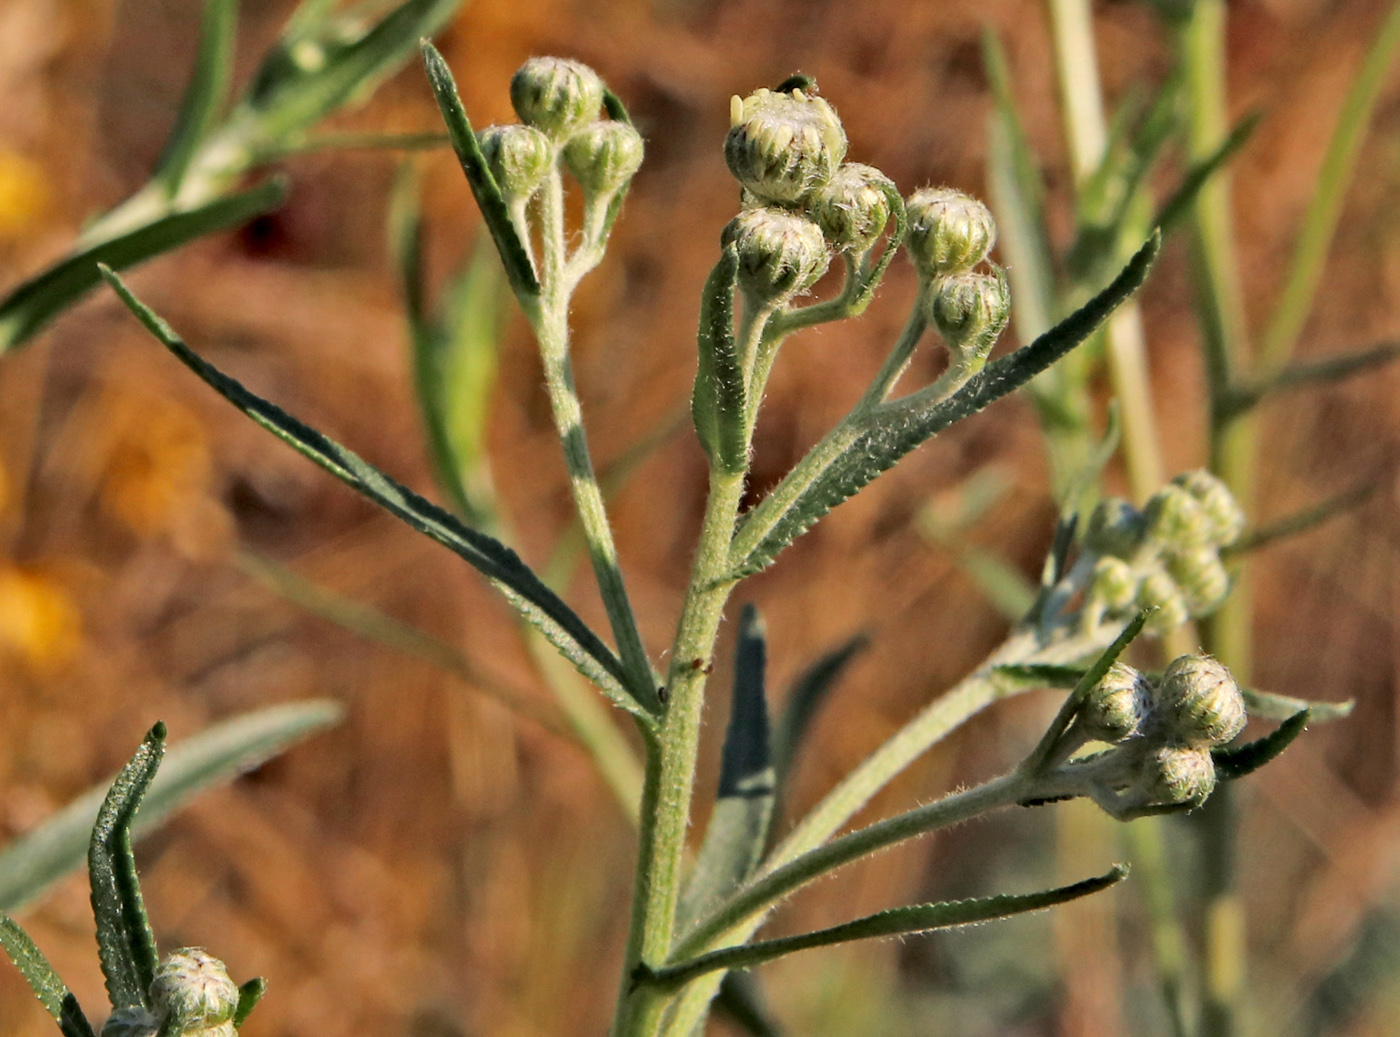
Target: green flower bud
{"points": [[1173, 774], [1115, 584], [1202, 579], [1159, 591], [604, 157], [1226, 517], [1198, 703], [852, 207], [1176, 520], [192, 992], [782, 146], [970, 312], [780, 254], [556, 95], [519, 157], [949, 232], [1116, 705], [130, 1022], [1115, 528]]}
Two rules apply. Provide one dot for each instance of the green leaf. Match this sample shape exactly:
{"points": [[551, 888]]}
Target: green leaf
{"points": [[1184, 197], [38, 300], [739, 999], [809, 692], [1046, 675], [717, 403], [738, 829], [485, 190], [32, 863], [1322, 371], [72, 1021], [1231, 764], [1301, 521], [900, 921], [498, 563], [249, 994], [38, 973], [1267, 705], [896, 428], [206, 93], [125, 942]]}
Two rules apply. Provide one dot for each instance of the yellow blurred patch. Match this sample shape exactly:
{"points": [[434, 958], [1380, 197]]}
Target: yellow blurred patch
{"points": [[38, 620], [24, 194]]}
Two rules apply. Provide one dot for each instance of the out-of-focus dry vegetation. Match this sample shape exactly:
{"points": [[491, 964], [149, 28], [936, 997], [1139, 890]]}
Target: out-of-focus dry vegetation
{"points": [[437, 867]]}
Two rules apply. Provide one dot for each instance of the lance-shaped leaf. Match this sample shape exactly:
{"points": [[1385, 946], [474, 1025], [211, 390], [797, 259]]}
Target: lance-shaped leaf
{"points": [[1182, 199], [809, 693], [740, 1000], [39, 858], [522, 588], [249, 994], [1267, 705], [1301, 521], [206, 93], [900, 921], [1234, 763], [37, 301], [72, 1022], [717, 402], [38, 973], [896, 428], [1045, 675], [1304, 374], [738, 829], [479, 178], [125, 942]]}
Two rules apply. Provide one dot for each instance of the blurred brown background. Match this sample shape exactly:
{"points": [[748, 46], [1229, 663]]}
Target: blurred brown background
{"points": [[436, 867]]}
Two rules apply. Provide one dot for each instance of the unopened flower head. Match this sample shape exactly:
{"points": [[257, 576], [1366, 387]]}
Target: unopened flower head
{"points": [[519, 158], [1115, 584], [1173, 774], [853, 207], [970, 311], [949, 232], [192, 990], [556, 95], [1201, 577], [780, 254], [1198, 703], [1226, 517], [130, 1022], [1116, 705], [782, 146], [604, 157], [1159, 592], [1115, 528], [1177, 520]]}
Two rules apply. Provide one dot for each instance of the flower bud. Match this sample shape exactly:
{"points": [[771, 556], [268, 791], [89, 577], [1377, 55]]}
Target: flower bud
{"points": [[192, 991], [970, 311], [852, 207], [780, 254], [1115, 584], [1176, 519], [1197, 702], [783, 145], [949, 232], [1173, 774], [1202, 579], [556, 95], [519, 158], [1115, 528], [130, 1022], [1159, 591], [604, 157], [1116, 705], [1226, 517]]}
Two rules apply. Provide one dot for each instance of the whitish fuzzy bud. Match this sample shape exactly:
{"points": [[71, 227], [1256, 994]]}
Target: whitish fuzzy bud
{"points": [[852, 207], [1202, 579], [1198, 703], [1176, 519], [556, 95], [949, 232], [783, 145], [604, 157], [1173, 774], [192, 990], [1116, 705], [780, 254], [130, 1022], [1115, 528], [519, 158], [1226, 517], [1115, 584], [970, 312], [1159, 591]]}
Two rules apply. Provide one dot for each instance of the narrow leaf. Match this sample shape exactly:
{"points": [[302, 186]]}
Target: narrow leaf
{"points": [[1302, 521], [38, 973], [900, 921], [32, 863], [739, 999], [37, 301], [72, 1021], [502, 566], [617, 111], [205, 94], [1322, 371], [1046, 675], [483, 185], [717, 403], [809, 693], [1231, 764], [249, 994], [1184, 197], [125, 943], [1267, 705]]}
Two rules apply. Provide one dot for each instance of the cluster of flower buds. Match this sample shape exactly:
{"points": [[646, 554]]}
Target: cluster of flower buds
{"points": [[191, 995], [1165, 557], [1160, 733]]}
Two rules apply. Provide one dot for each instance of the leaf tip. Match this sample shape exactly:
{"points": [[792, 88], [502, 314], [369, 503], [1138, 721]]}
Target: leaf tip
{"points": [[157, 732]]}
